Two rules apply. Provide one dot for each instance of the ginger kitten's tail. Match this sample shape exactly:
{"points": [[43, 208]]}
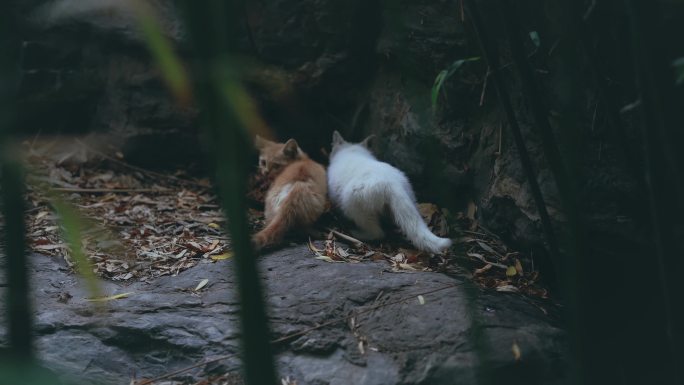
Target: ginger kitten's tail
{"points": [[410, 222], [273, 233], [301, 207]]}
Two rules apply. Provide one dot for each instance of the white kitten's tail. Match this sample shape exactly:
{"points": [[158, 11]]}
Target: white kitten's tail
{"points": [[410, 222]]}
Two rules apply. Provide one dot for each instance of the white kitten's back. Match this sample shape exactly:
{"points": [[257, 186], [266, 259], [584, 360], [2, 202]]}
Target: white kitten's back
{"points": [[363, 187], [356, 173]]}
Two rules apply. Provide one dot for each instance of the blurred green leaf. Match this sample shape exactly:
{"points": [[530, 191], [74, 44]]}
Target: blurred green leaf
{"points": [[439, 80], [228, 115], [16, 297], [534, 36], [221, 257], [241, 103], [71, 228], [30, 373], [162, 51], [444, 75], [678, 65]]}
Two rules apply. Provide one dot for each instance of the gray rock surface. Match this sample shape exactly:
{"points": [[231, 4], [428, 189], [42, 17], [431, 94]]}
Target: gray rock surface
{"points": [[164, 325]]}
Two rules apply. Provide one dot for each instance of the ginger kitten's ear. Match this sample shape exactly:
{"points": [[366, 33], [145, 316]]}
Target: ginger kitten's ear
{"points": [[366, 141], [337, 138], [260, 142], [291, 148]]}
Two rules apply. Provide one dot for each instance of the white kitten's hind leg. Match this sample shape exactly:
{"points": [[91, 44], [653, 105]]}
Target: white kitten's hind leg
{"points": [[368, 226]]}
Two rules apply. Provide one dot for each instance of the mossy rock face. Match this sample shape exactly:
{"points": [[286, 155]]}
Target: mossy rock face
{"points": [[85, 69]]}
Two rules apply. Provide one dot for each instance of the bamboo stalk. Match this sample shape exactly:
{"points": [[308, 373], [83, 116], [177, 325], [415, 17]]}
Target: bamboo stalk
{"points": [[18, 289], [661, 132], [18, 304], [207, 24], [575, 268], [504, 99]]}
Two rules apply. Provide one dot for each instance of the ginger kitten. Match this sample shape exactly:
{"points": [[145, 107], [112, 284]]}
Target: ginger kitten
{"points": [[296, 198]]}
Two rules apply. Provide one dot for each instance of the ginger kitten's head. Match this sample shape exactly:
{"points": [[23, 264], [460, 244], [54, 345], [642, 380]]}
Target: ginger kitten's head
{"points": [[339, 143], [274, 156]]}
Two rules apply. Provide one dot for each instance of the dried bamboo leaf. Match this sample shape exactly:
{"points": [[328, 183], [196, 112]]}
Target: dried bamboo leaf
{"points": [[221, 257], [202, 284], [109, 298]]}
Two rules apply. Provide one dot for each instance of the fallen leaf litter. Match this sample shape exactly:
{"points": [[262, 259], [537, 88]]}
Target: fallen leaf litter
{"points": [[158, 226], [140, 226]]}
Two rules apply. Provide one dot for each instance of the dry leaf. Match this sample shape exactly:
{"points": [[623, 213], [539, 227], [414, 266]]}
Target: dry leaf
{"points": [[472, 209], [202, 284], [486, 247], [50, 247], [427, 210], [516, 351], [406, 266], [221, 257], [181, 254], [482, 270], [330, 248], [213, 245], [507, 289], [482, 258], [109, 298], [195, 246], [314, 249], [325, 258], [511, 271], [518, 266], [411, 255]]}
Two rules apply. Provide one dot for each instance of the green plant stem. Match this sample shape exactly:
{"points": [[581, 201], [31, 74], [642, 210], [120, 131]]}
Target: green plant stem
{"points": [[229, 146], [661, 133], [580, 31], [18, 302], [570, 270]]}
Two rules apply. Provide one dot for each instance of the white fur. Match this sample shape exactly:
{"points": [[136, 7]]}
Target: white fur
{"points": [[363, 187], [282, 193]]}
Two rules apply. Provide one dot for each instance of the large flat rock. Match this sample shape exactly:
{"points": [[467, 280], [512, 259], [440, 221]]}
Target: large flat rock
{"points": [[165, 325]]}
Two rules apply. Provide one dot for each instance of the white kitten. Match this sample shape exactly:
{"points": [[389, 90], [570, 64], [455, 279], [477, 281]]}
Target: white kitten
{"points": [[363, 187]]}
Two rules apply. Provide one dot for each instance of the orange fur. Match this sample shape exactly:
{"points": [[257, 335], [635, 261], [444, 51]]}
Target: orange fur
{"points": [[297, 196]]}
